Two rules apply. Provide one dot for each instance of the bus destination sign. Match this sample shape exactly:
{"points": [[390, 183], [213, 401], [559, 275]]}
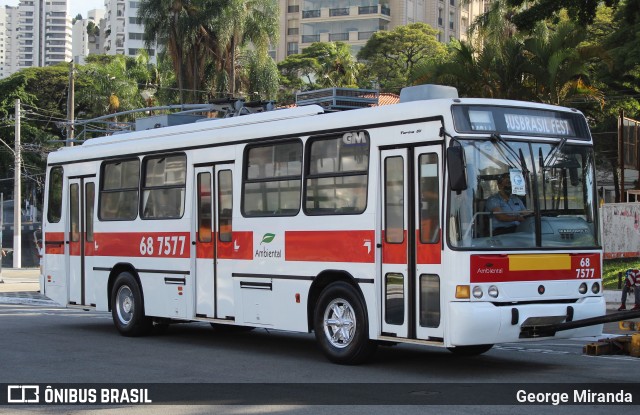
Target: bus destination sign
{"points": [[519, 121], [533, 124]]}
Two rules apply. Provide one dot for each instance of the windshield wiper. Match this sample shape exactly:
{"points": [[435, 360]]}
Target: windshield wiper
{"points": [[553, 152], [497, 138]]}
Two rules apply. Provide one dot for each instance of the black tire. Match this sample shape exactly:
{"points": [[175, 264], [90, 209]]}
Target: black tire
{"points": [[127, 307], [474, 350], [346, 341]]}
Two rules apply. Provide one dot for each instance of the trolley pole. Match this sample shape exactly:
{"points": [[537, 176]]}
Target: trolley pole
{"points": [[17, 196]]}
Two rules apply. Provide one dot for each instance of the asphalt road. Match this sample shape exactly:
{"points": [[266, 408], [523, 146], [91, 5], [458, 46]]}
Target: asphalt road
{"points": [[277, 372]]}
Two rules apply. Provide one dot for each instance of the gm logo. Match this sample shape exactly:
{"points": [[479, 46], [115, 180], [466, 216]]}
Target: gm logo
{"points": [[355, 138], [23, 394]]}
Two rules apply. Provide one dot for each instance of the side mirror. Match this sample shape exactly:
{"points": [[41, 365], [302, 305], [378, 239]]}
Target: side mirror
{"points": [[457, 168]]}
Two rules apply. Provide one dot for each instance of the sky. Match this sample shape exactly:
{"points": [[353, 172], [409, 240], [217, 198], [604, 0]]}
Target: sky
{"points": [[75, 6]]}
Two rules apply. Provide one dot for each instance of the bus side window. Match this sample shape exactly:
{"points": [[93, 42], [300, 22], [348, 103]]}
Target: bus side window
{"points": [[119, 190], [204, 207], [54, 205], [163, 188], [337, 175], [429, 199], [225, 205], [272, 176]]}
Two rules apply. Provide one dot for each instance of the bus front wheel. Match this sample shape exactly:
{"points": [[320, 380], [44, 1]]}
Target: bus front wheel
{"points": [[127, 307], [340, 325]]}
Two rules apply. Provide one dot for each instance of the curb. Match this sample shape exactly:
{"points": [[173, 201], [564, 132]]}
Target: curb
{"points": [[27, 301]]}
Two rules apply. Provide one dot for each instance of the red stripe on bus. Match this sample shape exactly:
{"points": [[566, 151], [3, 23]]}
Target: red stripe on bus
{"points": [[143, 244], [330, 246], [429, 253], [394, 253], [54, 243], [495, 268], [240, 247]]}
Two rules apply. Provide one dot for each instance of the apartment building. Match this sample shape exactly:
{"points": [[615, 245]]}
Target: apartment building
{"points": [[303, 22], [8, 41], [35, 33], [87, 42], [123, 33]]}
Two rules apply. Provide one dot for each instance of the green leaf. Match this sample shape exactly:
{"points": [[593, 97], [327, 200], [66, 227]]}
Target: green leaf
{"points": [[268, 237]]}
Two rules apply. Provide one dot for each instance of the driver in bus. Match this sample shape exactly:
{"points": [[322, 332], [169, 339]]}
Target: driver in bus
{"points": [[508, 211]]}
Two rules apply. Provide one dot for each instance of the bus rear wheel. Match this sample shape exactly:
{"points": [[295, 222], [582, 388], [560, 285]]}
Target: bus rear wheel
{"points": [[127, 307], [340, 325]]}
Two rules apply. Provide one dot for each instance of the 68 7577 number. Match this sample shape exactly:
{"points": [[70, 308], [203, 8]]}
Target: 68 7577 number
{"points": [[162, 245]]}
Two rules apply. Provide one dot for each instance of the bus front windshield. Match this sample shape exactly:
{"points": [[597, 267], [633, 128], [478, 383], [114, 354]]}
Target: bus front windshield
{"points": [[525, 195]]}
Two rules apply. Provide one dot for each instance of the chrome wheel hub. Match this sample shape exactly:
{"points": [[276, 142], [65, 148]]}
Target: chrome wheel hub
{"points": [[339, 323]]}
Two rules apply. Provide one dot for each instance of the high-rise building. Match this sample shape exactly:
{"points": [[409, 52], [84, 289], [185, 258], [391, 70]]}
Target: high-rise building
{"points": [[87, 35], [44, 33], [303, 22], [35, 33], [8, 41], [123, 30]]}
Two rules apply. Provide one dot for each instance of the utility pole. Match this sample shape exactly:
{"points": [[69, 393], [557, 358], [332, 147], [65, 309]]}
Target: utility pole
{"points": [[70, 107], [1, 228], [17, 196]]}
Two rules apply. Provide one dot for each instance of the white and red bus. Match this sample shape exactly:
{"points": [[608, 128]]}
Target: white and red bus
{"points": [[364, 226]]}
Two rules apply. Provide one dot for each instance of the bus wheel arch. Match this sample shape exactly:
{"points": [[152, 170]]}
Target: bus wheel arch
{"points": [[127, 303], [320, 282], [340, 321]]}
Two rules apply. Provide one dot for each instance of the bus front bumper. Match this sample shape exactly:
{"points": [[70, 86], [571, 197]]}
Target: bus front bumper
{"points": [[479, 322]]}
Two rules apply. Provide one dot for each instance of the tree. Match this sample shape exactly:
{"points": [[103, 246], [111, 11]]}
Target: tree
{"points": [[113, 83], [581, 11], [335, 65], [42, 93], [179, 27], [558, 64], [494, 70], [242, 23], [321, 65], [392, 55], [259, 76]]}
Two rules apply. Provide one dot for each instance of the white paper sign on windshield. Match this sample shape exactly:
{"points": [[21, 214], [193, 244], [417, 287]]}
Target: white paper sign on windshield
{"points": [[517, 182]]}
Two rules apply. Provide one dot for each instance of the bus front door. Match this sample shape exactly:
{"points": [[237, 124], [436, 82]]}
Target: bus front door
{"points": [[81, 241], [213, 241], [411, 242]]}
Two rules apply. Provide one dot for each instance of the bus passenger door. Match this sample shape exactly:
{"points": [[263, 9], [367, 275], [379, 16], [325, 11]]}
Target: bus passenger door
{"points": [[411, 247], [214, 246], [81, 241], [395, 244], [428, 201]]}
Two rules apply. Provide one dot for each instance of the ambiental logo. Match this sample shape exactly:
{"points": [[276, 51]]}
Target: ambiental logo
{"points": [[267, 238]]}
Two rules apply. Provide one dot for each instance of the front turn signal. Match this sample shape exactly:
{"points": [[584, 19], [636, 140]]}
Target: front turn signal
{"points": [[463, 291]]}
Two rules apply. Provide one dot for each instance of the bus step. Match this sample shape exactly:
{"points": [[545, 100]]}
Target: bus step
{"points": [[629, 325], [625, 345]]}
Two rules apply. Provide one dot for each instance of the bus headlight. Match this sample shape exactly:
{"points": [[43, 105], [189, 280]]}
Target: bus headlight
{"points": [[595, 288], [493, 291], [477, 291], [583, 288]]}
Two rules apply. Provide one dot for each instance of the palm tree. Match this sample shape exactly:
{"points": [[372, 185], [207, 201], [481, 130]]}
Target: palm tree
{"points": [[558, 64], [178, 26], [241, 23], [335, 65]]}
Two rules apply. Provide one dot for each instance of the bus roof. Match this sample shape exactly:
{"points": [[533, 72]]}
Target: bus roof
{"points": [[302, 120]]}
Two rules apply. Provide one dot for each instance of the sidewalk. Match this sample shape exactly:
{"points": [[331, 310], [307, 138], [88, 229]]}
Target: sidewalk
{"points": [[22, 286]]}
